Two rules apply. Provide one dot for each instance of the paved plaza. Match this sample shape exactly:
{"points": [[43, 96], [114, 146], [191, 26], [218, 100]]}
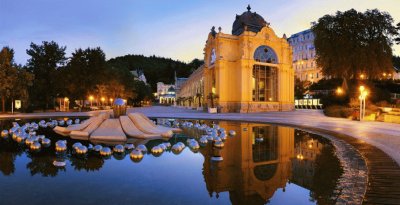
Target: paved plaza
{"points": [[385, 136]]}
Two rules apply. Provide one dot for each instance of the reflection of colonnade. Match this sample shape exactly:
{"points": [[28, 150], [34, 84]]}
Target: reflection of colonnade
{"points": [[256, 162]]}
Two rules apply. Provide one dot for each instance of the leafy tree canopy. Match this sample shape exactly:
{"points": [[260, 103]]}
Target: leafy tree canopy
{"points": [[351, 43], [45, 60], [14, 79]]}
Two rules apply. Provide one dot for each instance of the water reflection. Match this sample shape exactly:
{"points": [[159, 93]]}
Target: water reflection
{"points": [[257, 162], [262, 159], [8, 154]]}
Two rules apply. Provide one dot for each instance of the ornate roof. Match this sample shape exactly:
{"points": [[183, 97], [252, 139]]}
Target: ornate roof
{"points": [[248, 21]]}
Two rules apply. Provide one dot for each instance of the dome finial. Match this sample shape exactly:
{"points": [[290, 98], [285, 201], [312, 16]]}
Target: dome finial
{"points": [[248, 7]]}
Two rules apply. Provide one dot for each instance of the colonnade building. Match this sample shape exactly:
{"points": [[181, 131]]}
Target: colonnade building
{"points": [[249, 70]]}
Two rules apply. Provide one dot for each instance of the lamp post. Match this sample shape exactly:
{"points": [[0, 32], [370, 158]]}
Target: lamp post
{"points": [[91, 100], [65, 101], [102, 101], [362, 97], [111, 101]]}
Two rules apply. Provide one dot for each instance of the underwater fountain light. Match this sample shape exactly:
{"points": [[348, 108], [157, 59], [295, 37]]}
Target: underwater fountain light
{"points": [[119, 149], [35, 146], [156, 150], [203, 140], [61, 122], [219, 144], [76, 145], [97, 148], [136, 155], [46, 142], [162, 146], [29, 141], [81, 150], [105, 152], [142, 148], [61, 146], [4, 134]]}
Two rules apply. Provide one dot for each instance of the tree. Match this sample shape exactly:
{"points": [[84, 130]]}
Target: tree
{"points": [[14, 80], [44, 61], [8, 74], [300, 88], [351, 43]]}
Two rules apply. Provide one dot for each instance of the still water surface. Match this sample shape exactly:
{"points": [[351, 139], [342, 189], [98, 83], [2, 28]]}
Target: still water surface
{"points": [[262, 164]]}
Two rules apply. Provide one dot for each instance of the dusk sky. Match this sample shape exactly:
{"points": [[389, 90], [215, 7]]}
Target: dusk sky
{"points": [[175, 28]]}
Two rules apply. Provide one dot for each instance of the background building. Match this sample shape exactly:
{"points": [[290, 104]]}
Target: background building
{"points": [[249, 70], [139, 75], [304, 63], [165, 93]]}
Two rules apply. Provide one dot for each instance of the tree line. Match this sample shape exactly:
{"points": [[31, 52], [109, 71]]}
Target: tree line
{"points": [[49, 75]]}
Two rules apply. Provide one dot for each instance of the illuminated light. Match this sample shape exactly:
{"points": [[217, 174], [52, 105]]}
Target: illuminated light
{"points": [[384, 74], [111, 99], [339, 91], [66, 99], [310, 146], [91, 97], [362, 88], [362, 76], [103, 99]]}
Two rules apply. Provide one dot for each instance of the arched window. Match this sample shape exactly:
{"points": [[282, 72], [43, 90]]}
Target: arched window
{"points": [[265, 54]]}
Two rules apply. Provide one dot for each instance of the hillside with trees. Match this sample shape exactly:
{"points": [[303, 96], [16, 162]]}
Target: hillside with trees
{"points": [[156, 69]]}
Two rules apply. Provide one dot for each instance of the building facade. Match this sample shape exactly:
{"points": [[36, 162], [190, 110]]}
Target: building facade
{"points": [[165, 93], [249, 70], [304, 63]]}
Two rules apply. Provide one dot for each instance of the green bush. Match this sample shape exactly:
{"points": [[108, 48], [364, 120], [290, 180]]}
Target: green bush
{"points": [[338, 111]]}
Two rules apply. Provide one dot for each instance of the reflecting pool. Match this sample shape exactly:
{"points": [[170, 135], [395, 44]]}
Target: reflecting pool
{"points": [[262, 164]]}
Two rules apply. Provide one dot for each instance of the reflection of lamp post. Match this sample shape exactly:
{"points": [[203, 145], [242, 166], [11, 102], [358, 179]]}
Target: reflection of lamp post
{"points": [[363, 95], [91, 100], [300, 156], [65, 101]]}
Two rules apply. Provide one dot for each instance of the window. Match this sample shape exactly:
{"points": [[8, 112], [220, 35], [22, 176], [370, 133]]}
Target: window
{"points": [[264, 83], [265, 54], [267, 149]]}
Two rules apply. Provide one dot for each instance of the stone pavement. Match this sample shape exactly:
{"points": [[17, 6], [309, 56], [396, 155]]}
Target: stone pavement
{"points": [[385, 136]]}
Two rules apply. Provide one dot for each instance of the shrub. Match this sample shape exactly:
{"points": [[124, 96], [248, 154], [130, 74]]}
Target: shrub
{"points": [[338, 111]]}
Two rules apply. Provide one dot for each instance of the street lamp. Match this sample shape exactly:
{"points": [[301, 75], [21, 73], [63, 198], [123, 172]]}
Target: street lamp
{"points": [[102, 100], [111, 100], [339, 91], [362, 97], [91, 100]]}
